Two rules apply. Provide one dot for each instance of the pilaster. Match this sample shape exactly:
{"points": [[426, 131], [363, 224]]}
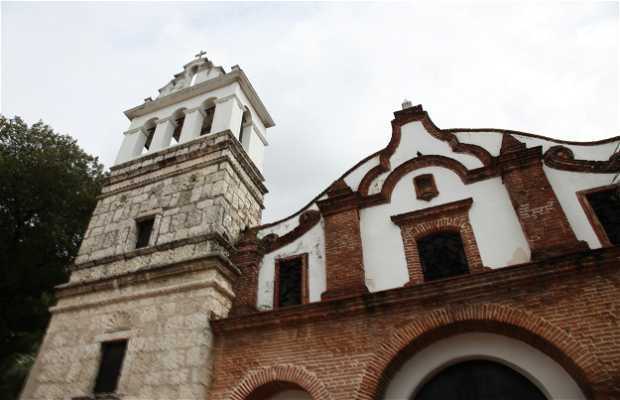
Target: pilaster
{"points": [[133, 142], [540, 214], [343, 243], [247, 258], [163, 134], [228, 115], [192, 124]]}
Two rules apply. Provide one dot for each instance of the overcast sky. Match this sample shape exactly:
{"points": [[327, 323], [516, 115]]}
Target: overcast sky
{"points": [[331, 74]]}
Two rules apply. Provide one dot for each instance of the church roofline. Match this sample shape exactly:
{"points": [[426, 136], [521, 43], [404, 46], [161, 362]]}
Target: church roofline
{"points": [[418, 109], [204, 87]]}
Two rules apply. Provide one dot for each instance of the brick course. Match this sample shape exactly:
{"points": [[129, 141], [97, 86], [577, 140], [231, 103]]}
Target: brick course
{"points": [[566, 307]]}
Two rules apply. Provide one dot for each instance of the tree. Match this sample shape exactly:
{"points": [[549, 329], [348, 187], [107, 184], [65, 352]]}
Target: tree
{"points": [[48, 189]]}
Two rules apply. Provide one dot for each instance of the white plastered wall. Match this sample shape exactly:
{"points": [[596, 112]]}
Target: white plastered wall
{"points": [[313, 243], [499, 236], [539, 368], [597, 152], [193, 102], [256, 142], [566, 184], [413, 139], [492, 141], [354, 178]]}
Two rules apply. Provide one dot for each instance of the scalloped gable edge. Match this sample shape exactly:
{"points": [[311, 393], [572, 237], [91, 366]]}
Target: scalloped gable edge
{"points": [[417, 113]]}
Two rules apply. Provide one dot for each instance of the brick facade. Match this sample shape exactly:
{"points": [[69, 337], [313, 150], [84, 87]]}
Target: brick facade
{"points": [[563, 302], [187, 302], [349, 348]]}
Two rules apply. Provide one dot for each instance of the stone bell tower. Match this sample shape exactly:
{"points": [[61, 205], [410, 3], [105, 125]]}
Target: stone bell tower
{"points": [[154, 268]]}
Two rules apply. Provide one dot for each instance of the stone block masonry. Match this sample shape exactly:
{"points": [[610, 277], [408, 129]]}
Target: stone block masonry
{"points": [[190, 190], [165, 320], [160, 298]]}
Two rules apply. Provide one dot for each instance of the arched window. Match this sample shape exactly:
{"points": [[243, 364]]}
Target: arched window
{"points": [[442, 255], [246, 118], [207, 121], [149, 127], [479, 379], [179, 119]]}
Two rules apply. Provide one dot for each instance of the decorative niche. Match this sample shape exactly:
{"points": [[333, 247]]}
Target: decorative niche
{"points": [[425, 187]]}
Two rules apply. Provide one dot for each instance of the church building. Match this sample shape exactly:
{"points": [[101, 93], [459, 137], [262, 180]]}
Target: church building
{"points": [[451, 264]]}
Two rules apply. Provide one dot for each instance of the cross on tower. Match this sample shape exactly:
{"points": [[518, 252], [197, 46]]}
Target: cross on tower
{"points": [[200, 54]]}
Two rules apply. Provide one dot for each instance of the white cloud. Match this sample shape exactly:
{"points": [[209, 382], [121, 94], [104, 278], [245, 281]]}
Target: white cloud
{"points": [[331, 74]]}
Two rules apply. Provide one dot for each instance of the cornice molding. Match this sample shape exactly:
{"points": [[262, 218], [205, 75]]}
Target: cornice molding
{"points": [[214, 236], [140, 129], [236, 75], [211, 261], [169, 156], [590, 261], [425, 214], [273, 242], [561, 157]]}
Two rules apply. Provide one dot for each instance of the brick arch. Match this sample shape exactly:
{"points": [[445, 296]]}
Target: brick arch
{"points": [[577, 360], [285, 375], [421, 162]]}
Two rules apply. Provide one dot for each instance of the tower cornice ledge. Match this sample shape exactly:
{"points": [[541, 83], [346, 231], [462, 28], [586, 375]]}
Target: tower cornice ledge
{"points": [[183, 153], [214, 261], [204, 87]]}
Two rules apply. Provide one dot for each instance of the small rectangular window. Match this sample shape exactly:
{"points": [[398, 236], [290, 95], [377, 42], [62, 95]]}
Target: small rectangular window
{"points": [[291, 282], [145, 228], [110, 365]]}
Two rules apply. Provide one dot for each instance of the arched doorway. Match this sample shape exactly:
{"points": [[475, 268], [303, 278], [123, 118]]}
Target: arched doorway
{"points": [[279, 390], [478, 379], [538, 369]]}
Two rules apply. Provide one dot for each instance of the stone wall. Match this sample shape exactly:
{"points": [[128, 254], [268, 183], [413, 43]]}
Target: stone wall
{"points": [[191, 190], [161, 297], [166, 322]]}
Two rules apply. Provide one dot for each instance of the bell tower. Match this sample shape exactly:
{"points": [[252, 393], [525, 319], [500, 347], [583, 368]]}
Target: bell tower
{"points": [[133, 322]]}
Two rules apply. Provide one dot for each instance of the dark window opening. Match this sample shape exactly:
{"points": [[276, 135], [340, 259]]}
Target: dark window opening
{"points": [[241, 132], [289, 282], [479, 379], [150, 132], [207, 122], [176, 135], [246, 118], [606, 206], [442, 255], [145, 228], [112, 355]]}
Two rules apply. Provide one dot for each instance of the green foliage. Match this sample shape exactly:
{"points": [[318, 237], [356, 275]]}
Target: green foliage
{"points": [[48, 189]]}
